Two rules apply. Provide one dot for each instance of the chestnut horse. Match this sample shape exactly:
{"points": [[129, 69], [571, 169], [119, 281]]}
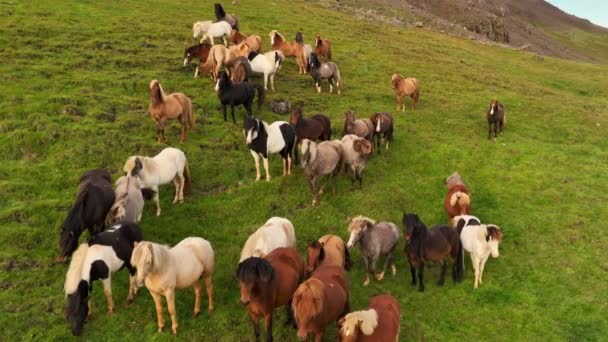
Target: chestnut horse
{"points": [[165, 107], [323, 47], [267, 283], [200, 51], [254, 42], [317, 127], [405, 87], [319, 300], [380, 322], [278, 42], [328, 250], [435, 244], [220, 55], [457, 201]]}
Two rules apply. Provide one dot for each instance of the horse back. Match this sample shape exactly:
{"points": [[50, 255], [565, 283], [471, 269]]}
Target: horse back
{"points": [[332, 274], [441, 241], [389, 315], [334, 248], [289, 270]]}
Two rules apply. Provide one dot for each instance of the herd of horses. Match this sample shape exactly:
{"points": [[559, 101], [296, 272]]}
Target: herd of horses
{"points": [[271, 273]]}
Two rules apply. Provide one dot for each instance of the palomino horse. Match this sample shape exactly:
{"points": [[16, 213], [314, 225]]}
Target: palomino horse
{"points": [[277, 232], [435, 244], [165, 269], [325, 71], [278, 42], [94, 198], [457, 200], [267, 283], [328, 250], [254, 41], [165, 107], [323, 47], [220, 55], [497, 118], [317, 127], [104, 254], [319, 300], [380, 322], [221, 15], [383, 129], [170, 165], [208, 29], [480, 241], [405, 87]]}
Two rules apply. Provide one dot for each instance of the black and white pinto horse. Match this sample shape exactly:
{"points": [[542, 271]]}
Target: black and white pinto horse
{"points": [[94, 198], [235, 94], [104, 254], [324, 71], [220, 15], [264, 139]]}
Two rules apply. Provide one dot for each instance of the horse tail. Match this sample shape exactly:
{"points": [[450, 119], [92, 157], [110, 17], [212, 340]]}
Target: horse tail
{"points": [[187, 177], [348, 262], [504, 118], [191, 119], [75, 216], [338, 79], [261, 96], [460, 198], [72, 278]]}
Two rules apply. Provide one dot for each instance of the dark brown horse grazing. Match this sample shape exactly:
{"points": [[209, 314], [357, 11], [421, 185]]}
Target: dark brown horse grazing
{"points": [[328, 250], [383, 129], [94, 198], [435, 244], [200, 51], [267, 283], [323, 47], [380, 322], [317, 127], [169, 107], [497, 118], [319, 300], [457, 201]]}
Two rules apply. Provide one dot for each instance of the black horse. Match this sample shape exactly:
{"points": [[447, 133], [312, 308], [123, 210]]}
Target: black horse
{"points": [[235, 94], [94, 199]]}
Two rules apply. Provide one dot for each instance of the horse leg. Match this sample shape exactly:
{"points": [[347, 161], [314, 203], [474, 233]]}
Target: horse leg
{"points": [[489, 130], [132, 288], [413, 270], [482, 265], [224, 112], [266, 168], [224, 39], [313, 190], [156, 200], [375, 258], [331, 86], [271, 83], [266, 82], [170, 296], [475, 263], [318, 85], [107, 291], [183, 135], [256, 325], [421, 277], [209, 290], [367, 271], [176, 183], [290, 320], [256, 158], [232, 112], [268, 321], [442, 275], [159, 310], [319, 337], [197, 297]]}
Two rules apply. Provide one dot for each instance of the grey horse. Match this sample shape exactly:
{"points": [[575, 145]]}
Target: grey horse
{"points": [[324, 71], [375, 240], [363, 128]]}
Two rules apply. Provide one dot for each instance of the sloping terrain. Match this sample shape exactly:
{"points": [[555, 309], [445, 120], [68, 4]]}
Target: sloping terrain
{"points": [[75, 94]]}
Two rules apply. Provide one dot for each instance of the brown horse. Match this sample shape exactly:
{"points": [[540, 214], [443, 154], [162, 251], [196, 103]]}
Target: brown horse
{"points": [[497, 117], [254, 42], [169, 107], [379, 323], [328, 250], [200, 51], [323, 47], [278, 42], [267, 283], [435, 244], [220, 55], [317, 127], [457, 201], [319, 300], [383, 129], [405, 87]]}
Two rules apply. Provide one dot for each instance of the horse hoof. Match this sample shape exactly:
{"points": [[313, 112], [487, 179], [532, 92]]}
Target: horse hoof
{"points": [[195, 314], [365, 283], [421, 290], [60, 259], [380, 276]]}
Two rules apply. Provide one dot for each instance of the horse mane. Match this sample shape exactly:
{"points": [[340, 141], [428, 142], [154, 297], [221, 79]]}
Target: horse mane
{"points": [[219, 11], [277, 33], [157, 94], [308, 299], [252, 55], [366, 320], [254, 269], [356, 223], [299, 38], [317, 245], [396, 80], [314, 60], [74, 275], [319, 41], [157, 254], [492, 231]]}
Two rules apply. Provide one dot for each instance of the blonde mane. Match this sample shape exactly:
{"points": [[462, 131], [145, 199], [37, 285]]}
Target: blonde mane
{"points": [[274, 33], [74, 275], [366, 320], [153, 96], [355, 223], [308, 299], [158, 255]]}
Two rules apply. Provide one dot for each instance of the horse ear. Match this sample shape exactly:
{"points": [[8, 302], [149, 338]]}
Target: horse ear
{"points": [[135, 244]]}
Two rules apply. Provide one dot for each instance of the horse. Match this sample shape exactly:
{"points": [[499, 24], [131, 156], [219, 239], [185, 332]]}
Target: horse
{"points": [[254, 41], [383, 128], [323, 47], [363, 128], [235, 94], [268, 283], [380, 322], [220, 15], [460, 221], [220, 55], [165, 269], [319, 300], [129, 202], [264, 139], [307, 49], [165, 107], [324, 71], [278, 42], [480, 241], [200, 51], [497, 118], [405, 87], [457, 200], [275, 233], [375, 240], [169, 165], [356, 154], [94, 198], [240, 70], [435, 244], [323, 159], [268, 64], [207, 29], [328, 250], [97, 259], [317, 127]]}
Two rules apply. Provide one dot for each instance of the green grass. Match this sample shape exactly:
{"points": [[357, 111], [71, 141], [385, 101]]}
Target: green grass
{"points": [[74, 97]]}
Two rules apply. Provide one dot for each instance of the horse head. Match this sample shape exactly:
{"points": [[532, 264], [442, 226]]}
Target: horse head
{"points": [[143, 260], [357, 228], [318, 41], [396, 80], [493, 238], [307, 304], [251, 126], [296, 116], [314, 62], [493, 106], [308, 150], [315, 255], [77, 308], [412, 227], [223, 82], [254, 274], [156, 92], [299, 38]]}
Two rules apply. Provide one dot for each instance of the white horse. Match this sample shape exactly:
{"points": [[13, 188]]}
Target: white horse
{"points": [[165, 269], [129, 202], [169, 165], [268, 64], [211, 30], [276, 232], [480, 241]]}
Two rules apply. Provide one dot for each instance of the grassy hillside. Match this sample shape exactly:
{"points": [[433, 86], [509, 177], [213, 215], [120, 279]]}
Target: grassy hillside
{"points": [[74, 97]]}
